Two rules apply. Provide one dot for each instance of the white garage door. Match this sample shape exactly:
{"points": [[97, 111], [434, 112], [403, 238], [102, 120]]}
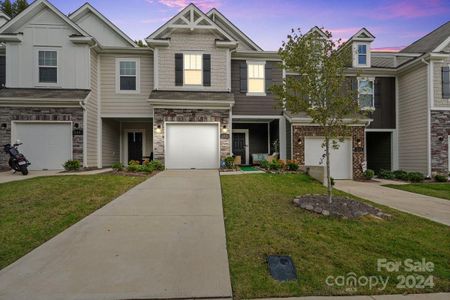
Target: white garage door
{"points": [[45, 145], [192, 146], [341, 159]]}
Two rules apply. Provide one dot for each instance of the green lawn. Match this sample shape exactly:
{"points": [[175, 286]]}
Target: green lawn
{"points": [[261, 220], [439, 190], [34, 210]]}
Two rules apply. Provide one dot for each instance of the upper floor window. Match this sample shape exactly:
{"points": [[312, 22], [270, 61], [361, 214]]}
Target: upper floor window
{"points": [[48, 66], [193, 69], [362, 54], [446, 82], [256, 77], [127, 75], [366, 93]]}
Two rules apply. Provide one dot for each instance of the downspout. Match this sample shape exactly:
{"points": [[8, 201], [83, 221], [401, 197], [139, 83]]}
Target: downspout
{"points": [[429, 85], [83, 106]]}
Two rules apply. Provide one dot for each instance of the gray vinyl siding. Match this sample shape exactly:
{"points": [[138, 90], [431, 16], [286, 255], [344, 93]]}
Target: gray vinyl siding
{"points": [[437, 78], [114, 103], [384, 114], [92, 110], [412, 131], [110, 142], [148, 127], [181, 42], [288, 140], [254, 105]]}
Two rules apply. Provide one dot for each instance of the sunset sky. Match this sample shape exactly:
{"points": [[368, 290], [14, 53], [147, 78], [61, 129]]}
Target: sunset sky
{"points": [[394, 23]]}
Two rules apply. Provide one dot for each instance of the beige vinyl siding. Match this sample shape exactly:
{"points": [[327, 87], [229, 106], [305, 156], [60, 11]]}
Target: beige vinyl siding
{"points": [[413, 128], [110, 142], [120, 104], [147, 126], [92, 109], [437, 78], [203, 43]]}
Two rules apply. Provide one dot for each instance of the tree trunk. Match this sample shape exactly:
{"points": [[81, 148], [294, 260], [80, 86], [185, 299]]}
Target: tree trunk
{"points": [[327, 155]]}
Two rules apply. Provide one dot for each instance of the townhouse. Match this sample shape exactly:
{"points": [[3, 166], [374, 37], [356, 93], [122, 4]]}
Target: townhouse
{"points": [[77, 87]]}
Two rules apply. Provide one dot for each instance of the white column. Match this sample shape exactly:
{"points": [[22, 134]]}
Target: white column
{"points": [[282, 137]]}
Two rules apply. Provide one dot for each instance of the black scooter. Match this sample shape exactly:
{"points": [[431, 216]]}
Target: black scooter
{"points": [[17, 161]]}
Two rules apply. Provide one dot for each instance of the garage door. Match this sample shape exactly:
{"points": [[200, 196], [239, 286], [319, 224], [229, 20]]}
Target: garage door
{"points": [[192, 146], [45, 145], [341, 163]]}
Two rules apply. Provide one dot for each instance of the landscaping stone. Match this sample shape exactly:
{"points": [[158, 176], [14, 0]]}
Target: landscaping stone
{"points": [[325, 212]]}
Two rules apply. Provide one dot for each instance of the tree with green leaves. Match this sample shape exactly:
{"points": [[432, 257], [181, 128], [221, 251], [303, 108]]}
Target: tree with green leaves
{"points": [[321, 89], [7, 8], [141, 43], [19, 6]]}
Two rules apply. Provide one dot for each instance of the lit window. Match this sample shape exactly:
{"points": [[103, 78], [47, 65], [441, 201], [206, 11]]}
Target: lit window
{"points": [[366, 93], [362, 54], [128, 75], [192, 69], [48, 67], [256, 78]]}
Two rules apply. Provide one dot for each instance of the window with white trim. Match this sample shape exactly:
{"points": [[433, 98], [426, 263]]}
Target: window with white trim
{"points": [[366, 95], [256, 78], [48, 66], [192, 69], [362, 54], [127, 73]]}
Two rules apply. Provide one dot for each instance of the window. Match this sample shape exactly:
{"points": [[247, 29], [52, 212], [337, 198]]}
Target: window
{"points": [[48, 66], [446, 82], [127, 75], [366, 93], [256, 84], [192, 69], [362, 54]]}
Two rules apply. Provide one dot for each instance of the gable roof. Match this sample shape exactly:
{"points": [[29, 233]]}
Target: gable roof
{"points": [[363, 35], [4, 15], [36, 5], [214, 13], [190, 17], [431, 41], [85, 8]]}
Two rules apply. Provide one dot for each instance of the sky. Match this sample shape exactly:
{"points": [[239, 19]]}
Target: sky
{"points": [[395, 23]]}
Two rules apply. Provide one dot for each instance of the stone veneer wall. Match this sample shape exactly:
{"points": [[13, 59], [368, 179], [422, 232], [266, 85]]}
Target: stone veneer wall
{"points": [[8, 114], [162, 115], [440, 128], [357, 132]]}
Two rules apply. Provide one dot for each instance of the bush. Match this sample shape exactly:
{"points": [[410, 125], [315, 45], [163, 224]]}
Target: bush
{"points": [[117, 166], [275, 165], [264, 164], [292, 165], [72, 165], [441, 178], [368, 174], [133, 168], [156, 165], [332, 181], [385, 174], [229, 162], [416, 177], [401, 175]]}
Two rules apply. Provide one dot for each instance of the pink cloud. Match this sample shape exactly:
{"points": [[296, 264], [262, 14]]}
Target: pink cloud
{"points": [[410, 9], [180, 4], [388, 49]]}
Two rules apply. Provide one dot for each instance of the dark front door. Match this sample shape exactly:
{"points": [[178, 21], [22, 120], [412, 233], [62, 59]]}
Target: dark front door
{"points": [[135, 146], [239, 146]]}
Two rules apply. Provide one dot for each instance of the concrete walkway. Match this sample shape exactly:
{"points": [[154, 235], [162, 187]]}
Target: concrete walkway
{"points": [[9, 176], [432, 208], [165, 238]]}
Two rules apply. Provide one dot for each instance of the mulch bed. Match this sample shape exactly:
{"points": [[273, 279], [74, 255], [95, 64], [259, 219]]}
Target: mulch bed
{"points": [[340, 207]]}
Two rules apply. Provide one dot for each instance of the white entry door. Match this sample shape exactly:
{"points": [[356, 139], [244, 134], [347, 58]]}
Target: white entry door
{"points": [[192, 146], [341, 159], [45, 145]]}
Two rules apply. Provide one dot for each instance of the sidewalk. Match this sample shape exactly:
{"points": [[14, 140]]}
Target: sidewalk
{"points": [[9, 176], [435, 296]]}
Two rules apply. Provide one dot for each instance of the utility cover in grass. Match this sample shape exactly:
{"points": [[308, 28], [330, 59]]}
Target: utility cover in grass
{"points": [[282, 268]]}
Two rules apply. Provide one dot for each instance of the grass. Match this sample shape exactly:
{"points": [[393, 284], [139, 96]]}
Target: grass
{"points": [[261, 220], [439, 190], [35, 210]]}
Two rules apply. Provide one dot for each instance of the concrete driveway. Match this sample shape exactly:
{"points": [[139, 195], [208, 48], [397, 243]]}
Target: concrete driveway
{"points": [[165, 238], [432, 208]]}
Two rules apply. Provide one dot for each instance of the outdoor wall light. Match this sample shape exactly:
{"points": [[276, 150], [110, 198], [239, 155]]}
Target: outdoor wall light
{"points": [[224, 129], [76, 125], [158, 129], [441, 139], [299, 141], [3, 126], [358, 142]]}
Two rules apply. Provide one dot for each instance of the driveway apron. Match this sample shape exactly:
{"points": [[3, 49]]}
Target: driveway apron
{"points": [[165, 238]]}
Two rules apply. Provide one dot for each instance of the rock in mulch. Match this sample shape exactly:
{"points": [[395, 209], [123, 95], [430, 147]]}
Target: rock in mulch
{"points": [[340, 207]]}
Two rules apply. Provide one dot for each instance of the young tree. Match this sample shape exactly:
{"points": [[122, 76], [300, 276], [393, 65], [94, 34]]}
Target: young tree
{"points": [[7, 8], [141, 43], [321, 89], [19, 6]]}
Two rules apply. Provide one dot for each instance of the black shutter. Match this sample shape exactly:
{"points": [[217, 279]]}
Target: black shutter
{"points": [[446, 82], [207, 69], [268, 76], [178, 69], [243, 69], [2, 71]]}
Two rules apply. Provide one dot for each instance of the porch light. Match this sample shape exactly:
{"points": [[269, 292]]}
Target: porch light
{"points": [[358, 142], [76, 125], [158, 129], [3, 126], [441, 139], [224, 129], [299, 141]]}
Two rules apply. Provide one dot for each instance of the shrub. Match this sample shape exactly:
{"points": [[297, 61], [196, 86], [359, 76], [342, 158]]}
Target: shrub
{"points": [[156, 165], [400, 174], [117, 166], [368, 174], [275, 165], [133, 167], [264, 164], [229, 162], [416, 177], [292, 165], [332, 181], [386, 174], [72, 165], [440, 178]]}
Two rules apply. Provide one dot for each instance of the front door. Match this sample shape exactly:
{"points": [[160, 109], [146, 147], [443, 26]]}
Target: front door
{"points": [[239, 146], [135, 146]]}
